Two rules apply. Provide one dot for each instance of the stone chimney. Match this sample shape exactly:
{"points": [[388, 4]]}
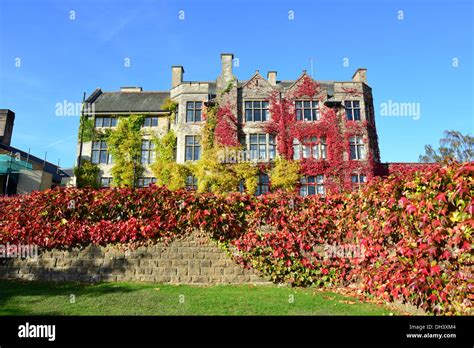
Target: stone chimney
{"points": [[226, 62], [7, 117], [272, 77], [177, 72], [360, 75]]}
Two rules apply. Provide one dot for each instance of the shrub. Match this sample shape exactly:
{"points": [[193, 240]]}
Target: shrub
{"points": [[413, 231]]}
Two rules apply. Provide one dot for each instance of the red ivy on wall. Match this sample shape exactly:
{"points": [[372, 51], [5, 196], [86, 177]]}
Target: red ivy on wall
{"points": [[332, 126], [226, 128]]}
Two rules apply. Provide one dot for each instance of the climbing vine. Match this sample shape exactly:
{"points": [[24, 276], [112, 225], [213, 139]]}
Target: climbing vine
{"points": [[124, 144], [331, 126], [170, 106], [285, 174], [219, 137], [165, 169], [87, 129]]}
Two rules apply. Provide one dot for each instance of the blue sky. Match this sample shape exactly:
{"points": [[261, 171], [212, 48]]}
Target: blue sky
{"points": [[409, 60]]}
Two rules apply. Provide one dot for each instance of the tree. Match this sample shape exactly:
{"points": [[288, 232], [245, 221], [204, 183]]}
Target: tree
{"points": [[454, 145], [87, 175]]}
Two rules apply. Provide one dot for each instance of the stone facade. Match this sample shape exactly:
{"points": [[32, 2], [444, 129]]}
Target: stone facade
{"points": [[192, 260], [237, 92]]}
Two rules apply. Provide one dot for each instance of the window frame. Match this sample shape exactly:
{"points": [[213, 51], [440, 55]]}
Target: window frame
{"points": [[355, 147], [103, 148], [264, 110], [194, 110], [145, 181], [196, 144], [268, 146], [311, 185], [151, 118], [263, 186], [191, 183], [149, 151], [112, 121], [109, 181], [317, 147], [357, 185], [350, 110], [314, 110]]}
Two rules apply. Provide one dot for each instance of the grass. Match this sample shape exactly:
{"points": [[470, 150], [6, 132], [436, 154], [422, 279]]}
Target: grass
{"points": [[41, 298]]}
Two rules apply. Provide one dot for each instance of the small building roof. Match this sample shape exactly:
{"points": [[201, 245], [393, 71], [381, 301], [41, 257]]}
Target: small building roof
{"points": [[127, 101]]}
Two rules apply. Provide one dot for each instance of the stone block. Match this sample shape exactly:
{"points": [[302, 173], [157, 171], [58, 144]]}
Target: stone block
{"points": [[200, 279], [179, 263], [170, 271], [162, 279], [206, 263]]}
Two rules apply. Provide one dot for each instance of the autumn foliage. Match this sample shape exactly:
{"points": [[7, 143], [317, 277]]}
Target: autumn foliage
{"points": [[414, 231]]}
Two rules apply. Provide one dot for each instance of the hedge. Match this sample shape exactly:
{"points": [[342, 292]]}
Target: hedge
{"points": [[406, 238]]}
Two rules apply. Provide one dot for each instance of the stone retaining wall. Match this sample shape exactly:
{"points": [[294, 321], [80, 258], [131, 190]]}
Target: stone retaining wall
{"points": [[189, 261]]}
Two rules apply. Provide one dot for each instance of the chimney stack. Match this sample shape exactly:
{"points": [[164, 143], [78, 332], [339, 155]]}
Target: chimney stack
{"points": [[360, 75], [272, 77], [177, 72], [226, 62]]}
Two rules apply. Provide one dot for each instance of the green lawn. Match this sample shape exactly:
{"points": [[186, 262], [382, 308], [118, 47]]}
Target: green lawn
{"points": [[38, 298]]}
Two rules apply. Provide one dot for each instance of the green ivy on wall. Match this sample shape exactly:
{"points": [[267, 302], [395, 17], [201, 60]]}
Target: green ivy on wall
{"points": [[87, 129], [170, 106], [124, 144], [165, 169]]}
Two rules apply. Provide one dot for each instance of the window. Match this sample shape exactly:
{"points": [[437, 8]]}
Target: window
{"points": [[357, 148], [191, 182], [358, 180], [193, 111], [100, 153], [145, 182], [312, 147], [260, 148], [352, 110], [150, 121], [307, 110], [311, 185], [369, 112], [193, 148], [147, 152], [263, 184], [176, 114], [105, 121], [256, 111], [105, 181]]}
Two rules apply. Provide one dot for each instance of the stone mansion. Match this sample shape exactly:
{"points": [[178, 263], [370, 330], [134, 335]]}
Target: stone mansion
{"points": [[351, 102]]}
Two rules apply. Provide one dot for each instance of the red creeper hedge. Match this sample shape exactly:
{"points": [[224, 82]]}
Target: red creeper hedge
{"points": [[415, 231]]}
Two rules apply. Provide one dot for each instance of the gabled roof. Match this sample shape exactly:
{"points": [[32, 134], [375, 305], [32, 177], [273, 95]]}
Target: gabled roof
{"points": [[127, 101], [257, 74]]}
